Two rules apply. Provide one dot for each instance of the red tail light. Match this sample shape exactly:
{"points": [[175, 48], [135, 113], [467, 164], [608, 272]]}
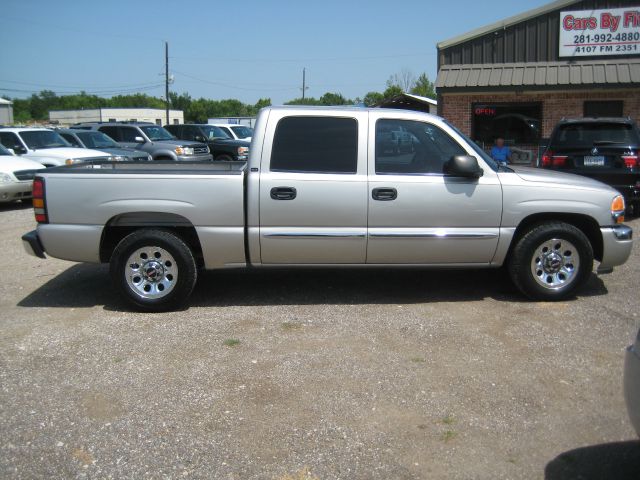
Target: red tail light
{"points": [[630, 161], [39, 205], [551, 160]]}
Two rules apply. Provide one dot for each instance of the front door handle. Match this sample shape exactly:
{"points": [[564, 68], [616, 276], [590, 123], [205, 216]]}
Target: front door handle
{"points": [[384, 194], [283, 193]]}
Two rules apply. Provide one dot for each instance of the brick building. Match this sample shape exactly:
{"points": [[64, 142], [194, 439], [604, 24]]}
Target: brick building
{"points": [[516, 78]]}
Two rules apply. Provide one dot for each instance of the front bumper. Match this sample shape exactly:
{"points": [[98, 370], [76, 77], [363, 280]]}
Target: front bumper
{"points": [[10, 192], [617, 241], [632, 386], [205, 157], [32, 245]]}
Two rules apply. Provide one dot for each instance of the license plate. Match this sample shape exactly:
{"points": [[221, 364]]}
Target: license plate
{"points": [[590, 161]]}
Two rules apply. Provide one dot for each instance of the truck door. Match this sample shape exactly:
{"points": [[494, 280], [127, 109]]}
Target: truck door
{"points": [[313, 189], [419, 215]]}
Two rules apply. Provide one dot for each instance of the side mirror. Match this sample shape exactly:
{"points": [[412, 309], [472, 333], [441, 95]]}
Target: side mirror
{"points": [[11, 151], [139, 140], [463, 166]]}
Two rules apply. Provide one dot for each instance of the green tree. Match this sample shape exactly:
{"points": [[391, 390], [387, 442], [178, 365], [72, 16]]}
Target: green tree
{"points": [[424, 87], [303, 101], [372, 98], [333, 99]]}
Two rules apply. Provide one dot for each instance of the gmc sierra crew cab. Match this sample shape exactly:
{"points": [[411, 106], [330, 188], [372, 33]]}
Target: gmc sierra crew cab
{"points": [[329, 187]]}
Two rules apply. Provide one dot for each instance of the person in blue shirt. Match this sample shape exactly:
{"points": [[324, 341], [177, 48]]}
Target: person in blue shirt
{"points": [[500, 152]]}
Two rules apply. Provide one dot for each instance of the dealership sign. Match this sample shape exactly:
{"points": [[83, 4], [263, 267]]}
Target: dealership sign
{"points": [[612, 31]]}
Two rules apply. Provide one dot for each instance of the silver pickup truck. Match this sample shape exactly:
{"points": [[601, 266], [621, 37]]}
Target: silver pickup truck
{"points": [[331, 187]]}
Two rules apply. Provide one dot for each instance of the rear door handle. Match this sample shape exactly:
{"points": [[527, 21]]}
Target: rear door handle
{"points": [[384, 194], [283, 193]]}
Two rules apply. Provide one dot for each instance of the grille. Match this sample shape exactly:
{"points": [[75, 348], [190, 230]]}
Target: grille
{"points": [[25, 174], [202, 149]]}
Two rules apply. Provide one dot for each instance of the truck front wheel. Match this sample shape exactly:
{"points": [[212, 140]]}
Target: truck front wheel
{"points": [[154, 270], [550, 261]]}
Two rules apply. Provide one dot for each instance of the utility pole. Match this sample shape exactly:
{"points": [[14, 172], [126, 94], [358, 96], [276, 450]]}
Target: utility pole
{"points": [[166, 78], [304, 82]]}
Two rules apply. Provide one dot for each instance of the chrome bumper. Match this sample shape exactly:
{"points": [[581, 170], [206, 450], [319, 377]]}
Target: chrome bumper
{"points": [[32, 245], [616, 242]]}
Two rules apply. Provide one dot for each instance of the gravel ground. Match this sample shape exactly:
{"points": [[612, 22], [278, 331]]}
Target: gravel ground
{"points": [[311, 375]]}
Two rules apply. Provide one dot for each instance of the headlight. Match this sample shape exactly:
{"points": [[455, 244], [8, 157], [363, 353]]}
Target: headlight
{"points": [[118, 158], [618, 209], [243, 150], [188, 150], [5, 178], [71, 161], [179, 150]]}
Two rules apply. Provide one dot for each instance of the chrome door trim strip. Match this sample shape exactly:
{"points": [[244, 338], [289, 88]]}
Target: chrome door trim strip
{"points": [[312, 235], [436, 234]]}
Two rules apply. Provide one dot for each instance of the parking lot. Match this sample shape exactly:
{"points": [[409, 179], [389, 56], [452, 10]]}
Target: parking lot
{"points": [[311, 374]]}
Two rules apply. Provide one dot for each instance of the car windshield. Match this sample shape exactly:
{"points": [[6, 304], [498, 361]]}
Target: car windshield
{"points": [[476, 148], [39, 139], [214, 132], [242, 131], [96, 140], [156, 133], [589, 134]]}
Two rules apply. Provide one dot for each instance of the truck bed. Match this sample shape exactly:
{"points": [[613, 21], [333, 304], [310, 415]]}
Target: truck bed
{"points": [[85, 201]]}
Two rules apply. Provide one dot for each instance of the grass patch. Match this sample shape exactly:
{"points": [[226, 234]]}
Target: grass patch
{"points": [[417, 359], [231, 342], [448, 436], [291, 325], [448, 420], [118, 359]]}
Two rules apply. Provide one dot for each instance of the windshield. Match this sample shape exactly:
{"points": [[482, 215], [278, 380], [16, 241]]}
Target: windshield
{"points": [[214, 132], [587, 135], [96, 140], [38, 139], [242, 132], [156, 133], [476, 148]]}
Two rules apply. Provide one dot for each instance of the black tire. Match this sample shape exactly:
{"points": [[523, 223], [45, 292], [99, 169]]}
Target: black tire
{"points": [[538, 274], [224, 158], [165, 265]]}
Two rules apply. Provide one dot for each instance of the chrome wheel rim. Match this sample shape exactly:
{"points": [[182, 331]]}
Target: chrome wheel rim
{"points": [[555, 263], [151, 272]]}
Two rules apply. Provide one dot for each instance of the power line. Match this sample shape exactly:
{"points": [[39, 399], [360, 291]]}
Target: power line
{"points": [[130, 85], [102, 92], [220, 84]]}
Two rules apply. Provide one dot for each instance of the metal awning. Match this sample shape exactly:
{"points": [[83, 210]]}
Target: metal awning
{"points": [[625, 72]]}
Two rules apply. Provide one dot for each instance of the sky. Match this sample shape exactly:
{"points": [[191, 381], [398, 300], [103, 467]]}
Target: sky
{"points": [[245, 49]]}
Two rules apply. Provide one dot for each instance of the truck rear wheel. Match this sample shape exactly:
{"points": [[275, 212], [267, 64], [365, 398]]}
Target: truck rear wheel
{"points": [[550, 261], [154, 270]]}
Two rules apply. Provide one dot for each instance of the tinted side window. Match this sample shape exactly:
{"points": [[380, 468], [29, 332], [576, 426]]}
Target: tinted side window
{"points": [[315, 144], [410, 147], [175, 130], [71, 139], [111, 131], [129, 134], [9, 139], [190, 133]]}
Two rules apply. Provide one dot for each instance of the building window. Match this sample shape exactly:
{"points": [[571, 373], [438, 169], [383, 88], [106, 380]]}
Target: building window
{"points": [[176, 121], [112, 120], [315, 144], [607, 108], [158, 121], [517, 123]]}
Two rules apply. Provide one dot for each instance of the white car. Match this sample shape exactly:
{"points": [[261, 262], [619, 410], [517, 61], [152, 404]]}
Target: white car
{"points": [[237, 132], [46, 147], [16, 176]]}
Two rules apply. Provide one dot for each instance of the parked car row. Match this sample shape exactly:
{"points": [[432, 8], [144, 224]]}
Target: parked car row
{"points": [[16, 176]]}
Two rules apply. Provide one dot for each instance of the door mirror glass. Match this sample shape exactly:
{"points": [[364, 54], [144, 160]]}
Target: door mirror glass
{"points": [[463, 166], [139, 140], [19, 150]]}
